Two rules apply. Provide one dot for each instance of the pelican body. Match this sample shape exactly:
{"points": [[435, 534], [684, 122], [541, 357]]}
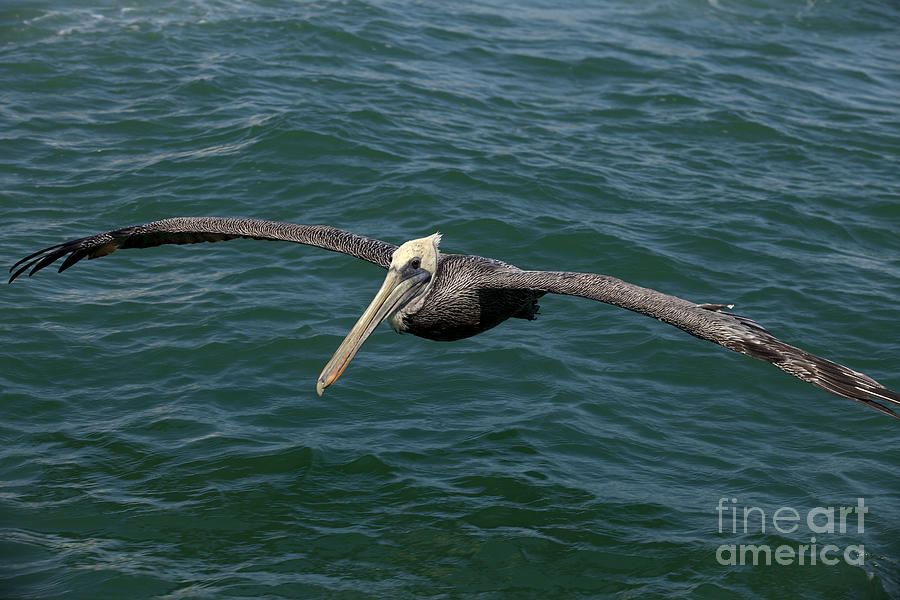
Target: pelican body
{"points": [[452, 296]]}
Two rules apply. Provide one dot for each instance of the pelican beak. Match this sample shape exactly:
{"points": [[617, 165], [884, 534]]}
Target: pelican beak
{"points": [[399, 287]]}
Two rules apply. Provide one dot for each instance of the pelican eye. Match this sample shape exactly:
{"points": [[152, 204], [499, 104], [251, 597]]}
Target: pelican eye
{"points": [[415, 263]]}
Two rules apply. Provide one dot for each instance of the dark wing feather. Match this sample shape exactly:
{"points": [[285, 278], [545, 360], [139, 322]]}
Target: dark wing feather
{"points": [[191, 230], [707, 322]]}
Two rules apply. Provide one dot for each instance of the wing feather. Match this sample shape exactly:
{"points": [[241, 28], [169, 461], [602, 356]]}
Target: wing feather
{"points": [[191, 230], [708, 322]]}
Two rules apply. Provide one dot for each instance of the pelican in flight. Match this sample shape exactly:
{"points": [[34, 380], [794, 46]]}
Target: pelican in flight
{"points": [[453, 296]]}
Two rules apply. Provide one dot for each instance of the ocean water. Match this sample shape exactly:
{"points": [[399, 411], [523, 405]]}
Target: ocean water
{"points": [[160, 435]]}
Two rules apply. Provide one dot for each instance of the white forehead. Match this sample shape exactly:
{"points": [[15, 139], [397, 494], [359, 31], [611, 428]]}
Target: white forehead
{"points": [[423, 248]]}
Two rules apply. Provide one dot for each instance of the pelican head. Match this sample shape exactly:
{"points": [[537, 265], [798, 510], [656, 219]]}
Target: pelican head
{"points": [[409, 278]]}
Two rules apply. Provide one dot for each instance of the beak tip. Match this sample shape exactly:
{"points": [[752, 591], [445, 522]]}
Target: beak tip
{"points": [[320, 387]]}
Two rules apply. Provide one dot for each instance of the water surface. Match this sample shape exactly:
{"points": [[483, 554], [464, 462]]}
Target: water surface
{"points": [[161, 436]]}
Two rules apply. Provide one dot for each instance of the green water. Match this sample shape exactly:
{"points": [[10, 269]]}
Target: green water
{"points": [[160, 433]]}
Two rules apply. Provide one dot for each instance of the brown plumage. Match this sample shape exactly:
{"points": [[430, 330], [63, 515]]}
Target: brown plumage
{"points": [[457, 296]]}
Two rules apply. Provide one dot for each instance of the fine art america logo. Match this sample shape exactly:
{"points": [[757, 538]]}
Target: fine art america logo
{"points": [[817, 523]]}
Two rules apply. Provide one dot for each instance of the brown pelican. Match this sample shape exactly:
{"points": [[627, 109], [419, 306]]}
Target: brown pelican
{"points": [[452, 296]]}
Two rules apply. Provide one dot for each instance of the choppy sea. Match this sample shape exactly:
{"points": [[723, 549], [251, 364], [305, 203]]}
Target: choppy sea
{"points": [[160, 434]]}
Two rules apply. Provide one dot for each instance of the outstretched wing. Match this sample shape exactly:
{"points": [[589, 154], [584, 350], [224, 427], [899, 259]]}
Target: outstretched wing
{"points": [[708, 322], [191, 230]]}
